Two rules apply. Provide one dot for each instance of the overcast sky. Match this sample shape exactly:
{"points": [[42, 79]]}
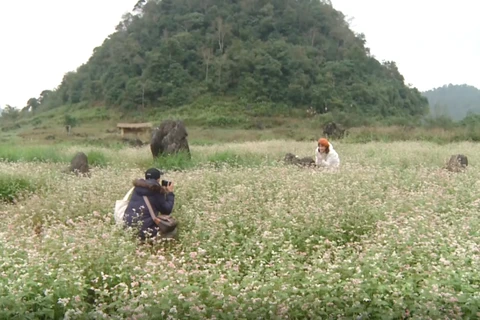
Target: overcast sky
{"points": [[433, 42]]}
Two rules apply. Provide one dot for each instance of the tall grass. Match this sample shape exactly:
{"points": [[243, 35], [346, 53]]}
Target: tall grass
{"points": [[51, 154], [210, 120], [407, 133], [97, 158], [15, 186], [19, 153]]}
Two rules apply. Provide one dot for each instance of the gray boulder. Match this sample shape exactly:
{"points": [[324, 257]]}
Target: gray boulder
{"points": [[290, 158], [169, 138], [79, 164], [333, 130], [457, 163]]}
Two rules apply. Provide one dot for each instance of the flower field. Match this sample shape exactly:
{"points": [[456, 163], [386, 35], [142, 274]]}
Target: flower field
{"points": [[389, 235]]}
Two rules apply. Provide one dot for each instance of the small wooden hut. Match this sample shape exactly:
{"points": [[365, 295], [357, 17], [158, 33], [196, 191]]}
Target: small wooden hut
{"points": [[134, 128]]}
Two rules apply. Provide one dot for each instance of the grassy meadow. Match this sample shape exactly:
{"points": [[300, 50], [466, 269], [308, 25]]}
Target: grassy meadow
{"points": [[390, 235], [210, 121]]}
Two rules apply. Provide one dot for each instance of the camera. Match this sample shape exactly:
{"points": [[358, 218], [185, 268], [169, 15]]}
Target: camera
{"points": [[166, 183]]}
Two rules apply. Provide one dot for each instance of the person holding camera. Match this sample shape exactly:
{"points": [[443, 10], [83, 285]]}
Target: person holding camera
{"points": [[150, 197], [325, 155]]}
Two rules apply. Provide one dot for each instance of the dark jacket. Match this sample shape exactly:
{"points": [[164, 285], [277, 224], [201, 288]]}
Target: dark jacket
{"points": [[137, 210]]}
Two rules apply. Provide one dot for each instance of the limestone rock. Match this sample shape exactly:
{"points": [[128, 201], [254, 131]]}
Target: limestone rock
{"points": [[290, 158], [457, 163], [169, 138], [333, 130], [79, 164]]}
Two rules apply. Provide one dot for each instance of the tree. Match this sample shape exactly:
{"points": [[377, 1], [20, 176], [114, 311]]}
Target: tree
{"points": [[221, 29], [10, 113], [32, 104], [139, 5], [44, 96], [207, 55]]}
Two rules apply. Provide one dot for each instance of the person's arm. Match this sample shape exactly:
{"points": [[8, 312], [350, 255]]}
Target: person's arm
{"points": [[163, 203], [324, 163], [330, 161], [166, 207]]}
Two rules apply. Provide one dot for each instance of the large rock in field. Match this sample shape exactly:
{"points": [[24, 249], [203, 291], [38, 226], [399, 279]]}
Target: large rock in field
{"points": [[79, 164], [457, 163], [290, 158], [333, 130], [169, 138]]}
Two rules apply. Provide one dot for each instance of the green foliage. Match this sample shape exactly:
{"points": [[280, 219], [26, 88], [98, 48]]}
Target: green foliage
{"points": [[388, 236], [10, 113], [471, 121], [178, 161], [293, 54], [11, 187], [97, 158], [53, 292], [408, 133], [181, 161], [70, 121], [224, 121], [234, 159], [454, 101], [16, 153]]}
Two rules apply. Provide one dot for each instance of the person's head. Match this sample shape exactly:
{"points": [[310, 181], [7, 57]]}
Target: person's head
{"points": [[323, 145], [153, 174]]}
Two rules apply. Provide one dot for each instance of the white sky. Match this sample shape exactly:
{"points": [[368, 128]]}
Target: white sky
{"points": [[41, 40], [433, 42]]}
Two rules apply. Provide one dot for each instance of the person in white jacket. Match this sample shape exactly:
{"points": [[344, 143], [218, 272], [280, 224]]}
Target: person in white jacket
{"points": [[325, 155]]}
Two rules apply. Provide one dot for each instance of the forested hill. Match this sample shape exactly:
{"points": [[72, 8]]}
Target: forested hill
{"points": [[299, 53], [454, 101]]}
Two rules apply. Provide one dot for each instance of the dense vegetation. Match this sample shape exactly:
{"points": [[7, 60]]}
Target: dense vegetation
{"points": [[280, 52], [389, 236], [454, 101]]}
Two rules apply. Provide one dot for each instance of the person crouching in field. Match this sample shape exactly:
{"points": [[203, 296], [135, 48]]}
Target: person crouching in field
{"points": [[149, 195], [325, 155]]}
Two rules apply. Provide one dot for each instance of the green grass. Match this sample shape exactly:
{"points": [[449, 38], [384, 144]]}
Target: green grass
{"points": [[97, 158], [180, 161], [218, 159], [236, 159], [211, 121], [18, 153], [13, 187], [50, 154]]}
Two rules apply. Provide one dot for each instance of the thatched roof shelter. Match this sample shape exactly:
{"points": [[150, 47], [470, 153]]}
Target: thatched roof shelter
{"points": [[134, 127]]}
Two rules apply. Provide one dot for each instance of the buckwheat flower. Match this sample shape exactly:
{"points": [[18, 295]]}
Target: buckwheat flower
{"points": [[63, 301]]}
